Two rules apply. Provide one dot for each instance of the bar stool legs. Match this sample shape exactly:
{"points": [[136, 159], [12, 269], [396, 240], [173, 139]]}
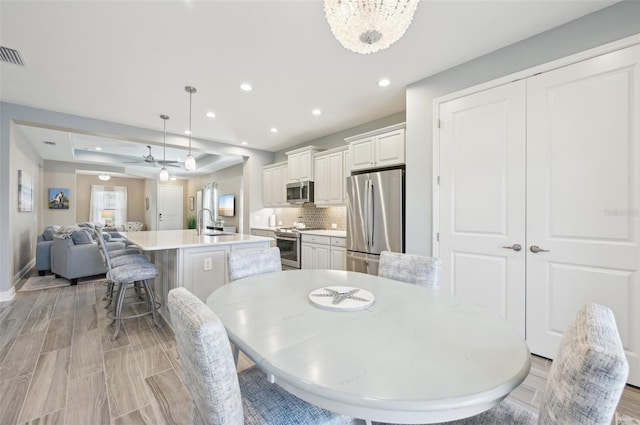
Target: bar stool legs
{"points": [[149, 300]]}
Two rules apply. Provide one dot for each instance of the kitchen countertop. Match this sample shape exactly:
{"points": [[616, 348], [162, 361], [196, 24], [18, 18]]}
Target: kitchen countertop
{"points": [[154, 240]]}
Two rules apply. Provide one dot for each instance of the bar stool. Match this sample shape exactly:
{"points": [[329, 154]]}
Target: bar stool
{"points": [[133, 270], [118, 257]]}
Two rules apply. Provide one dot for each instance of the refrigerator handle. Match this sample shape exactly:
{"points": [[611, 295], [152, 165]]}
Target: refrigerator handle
{"points": [[372, 211], [366, 212]]}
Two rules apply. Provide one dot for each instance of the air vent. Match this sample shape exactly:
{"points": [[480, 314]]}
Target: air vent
{"points": [[11, 56]]}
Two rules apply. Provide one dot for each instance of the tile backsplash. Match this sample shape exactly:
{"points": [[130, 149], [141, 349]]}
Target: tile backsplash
{"points": [[313, 217]]}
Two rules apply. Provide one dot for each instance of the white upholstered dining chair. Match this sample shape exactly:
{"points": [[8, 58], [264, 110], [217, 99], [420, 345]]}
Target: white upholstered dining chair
{"points": [[250, 262], [219, 394], [585, 381], [416, 269]]}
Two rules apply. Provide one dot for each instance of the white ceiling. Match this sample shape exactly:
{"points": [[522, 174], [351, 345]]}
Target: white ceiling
{"points": [[128, 62]]}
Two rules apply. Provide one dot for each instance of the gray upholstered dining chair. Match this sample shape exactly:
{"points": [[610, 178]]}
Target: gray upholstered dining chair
{"points": [[219, 394], [417, 269], [585, 381], [250, 262]]}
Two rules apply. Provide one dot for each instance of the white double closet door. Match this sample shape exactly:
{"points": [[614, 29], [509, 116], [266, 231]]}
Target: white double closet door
{"points": [[550, 165]]}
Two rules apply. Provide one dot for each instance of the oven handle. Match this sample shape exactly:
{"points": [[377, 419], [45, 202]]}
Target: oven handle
{"points": [[293, 239]]}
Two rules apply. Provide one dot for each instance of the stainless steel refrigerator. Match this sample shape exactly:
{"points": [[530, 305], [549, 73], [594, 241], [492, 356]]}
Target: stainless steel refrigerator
{"points": [[375, 218]]}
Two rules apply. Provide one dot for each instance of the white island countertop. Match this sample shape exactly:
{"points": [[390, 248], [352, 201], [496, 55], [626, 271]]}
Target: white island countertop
{"points": [[155, 240]]}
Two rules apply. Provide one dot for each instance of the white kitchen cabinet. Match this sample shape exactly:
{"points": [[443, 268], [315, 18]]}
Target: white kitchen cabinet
{"points": [[377, 149], [323, 252], [274, 185], [315, 256], [300, 164], [330, 177], [338, 253]]}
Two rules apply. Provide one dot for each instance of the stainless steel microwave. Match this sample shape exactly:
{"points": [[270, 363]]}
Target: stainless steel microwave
{"points": [[299, 193]]}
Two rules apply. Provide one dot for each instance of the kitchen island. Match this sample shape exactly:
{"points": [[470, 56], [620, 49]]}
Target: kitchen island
{"points": [[196, 262]]}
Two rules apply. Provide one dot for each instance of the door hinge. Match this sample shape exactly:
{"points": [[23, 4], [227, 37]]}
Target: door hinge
{"points": [[439, 123], [438, 180], [438, 236]]}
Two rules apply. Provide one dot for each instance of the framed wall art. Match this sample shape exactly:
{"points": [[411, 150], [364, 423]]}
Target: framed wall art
{"points": [[25, 191], [58, 198]]}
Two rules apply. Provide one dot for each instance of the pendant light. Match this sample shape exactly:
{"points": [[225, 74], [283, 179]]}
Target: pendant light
{"points": [[190, 162], [164, 173]]}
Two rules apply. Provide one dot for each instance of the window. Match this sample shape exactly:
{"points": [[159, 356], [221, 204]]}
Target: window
{"points": [[108, 202]]}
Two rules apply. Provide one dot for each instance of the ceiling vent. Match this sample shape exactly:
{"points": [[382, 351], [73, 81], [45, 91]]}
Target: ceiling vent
{"points": [[11, 56]]}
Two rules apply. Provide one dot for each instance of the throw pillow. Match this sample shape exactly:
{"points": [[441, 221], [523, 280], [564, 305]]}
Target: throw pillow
{"points": [[49, 232], [80, 237]]}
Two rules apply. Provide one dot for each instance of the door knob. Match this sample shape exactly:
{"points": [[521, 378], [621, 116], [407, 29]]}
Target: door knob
{"points": [[535, 249], [515, 247]]}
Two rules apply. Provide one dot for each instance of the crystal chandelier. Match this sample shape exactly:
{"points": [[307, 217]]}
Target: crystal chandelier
{"points": [[190, 162], [366, 26], [164, 173]]}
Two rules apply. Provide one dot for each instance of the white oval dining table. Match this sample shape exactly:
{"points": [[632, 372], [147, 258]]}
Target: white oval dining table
{"points": [[416, 355]]}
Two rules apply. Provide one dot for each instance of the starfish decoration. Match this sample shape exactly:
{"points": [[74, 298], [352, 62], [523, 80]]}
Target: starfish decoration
{"points": [[338, 297]]}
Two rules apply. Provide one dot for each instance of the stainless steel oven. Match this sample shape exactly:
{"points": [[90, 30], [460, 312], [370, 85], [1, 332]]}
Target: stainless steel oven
{"points": [[289, 243]]}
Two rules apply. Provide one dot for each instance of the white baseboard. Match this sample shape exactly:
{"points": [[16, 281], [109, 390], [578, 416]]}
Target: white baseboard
{"points": [[8, 295]]}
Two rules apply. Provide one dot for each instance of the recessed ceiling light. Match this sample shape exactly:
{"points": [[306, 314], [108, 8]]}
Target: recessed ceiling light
{"points": [[244, 143], [187, 132], [211, 114], [274, 130], [98, 148], [46, 142], [384, 82], [246, 87], [316, 111]]}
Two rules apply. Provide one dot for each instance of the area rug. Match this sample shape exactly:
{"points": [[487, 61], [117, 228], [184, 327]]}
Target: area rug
{"points": [[36, 283], [625, 420]]}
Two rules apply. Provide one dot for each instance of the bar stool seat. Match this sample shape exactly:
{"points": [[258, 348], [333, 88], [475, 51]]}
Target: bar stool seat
{"points": [[135, 274]]}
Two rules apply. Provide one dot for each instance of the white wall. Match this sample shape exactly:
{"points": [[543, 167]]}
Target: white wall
{"points": [[25, 225], [613, 23]]}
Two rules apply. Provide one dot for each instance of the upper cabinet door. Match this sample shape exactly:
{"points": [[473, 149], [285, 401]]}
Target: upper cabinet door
{"points": [[293, 163], [362, 153], [377, 150], [389, 148]]}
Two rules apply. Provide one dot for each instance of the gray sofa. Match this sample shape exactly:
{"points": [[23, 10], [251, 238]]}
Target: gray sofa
{"points": [[75, 254], [43, 250]]}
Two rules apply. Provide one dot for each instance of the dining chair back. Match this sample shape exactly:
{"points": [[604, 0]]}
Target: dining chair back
{"points": [[585, 381], [416, 269], [253, 261], [219, 394], [589, 373]]}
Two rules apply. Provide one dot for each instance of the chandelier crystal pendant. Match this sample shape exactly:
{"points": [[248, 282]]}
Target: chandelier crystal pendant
{"points": [[366, 26], [164, 173], [190, 162]]}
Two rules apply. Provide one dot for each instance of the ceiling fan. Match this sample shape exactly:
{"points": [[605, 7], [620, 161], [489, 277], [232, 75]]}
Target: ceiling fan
{"points": [[149, 159]]}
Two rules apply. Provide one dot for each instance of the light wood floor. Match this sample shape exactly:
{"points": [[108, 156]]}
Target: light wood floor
{"points": [[58, 365]]}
